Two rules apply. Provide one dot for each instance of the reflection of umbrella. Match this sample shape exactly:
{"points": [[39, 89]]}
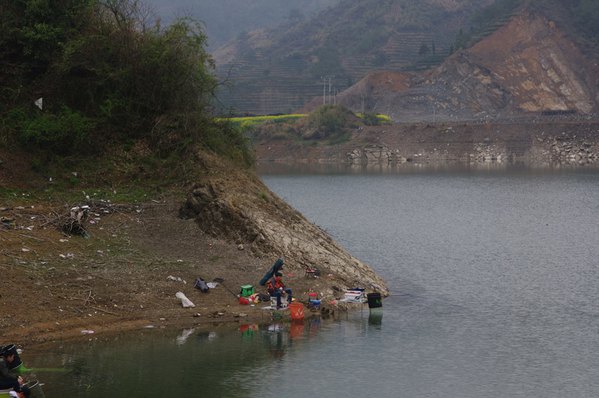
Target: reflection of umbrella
{"points": [[271, 272]]}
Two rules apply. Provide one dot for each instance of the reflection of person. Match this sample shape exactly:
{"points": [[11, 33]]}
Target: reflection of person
{"points": [[276, 288], [277, 340], [8, 379], [314, 325]]}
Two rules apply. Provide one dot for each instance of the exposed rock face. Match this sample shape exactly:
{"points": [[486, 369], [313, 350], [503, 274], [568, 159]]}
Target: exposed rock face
{"points": [[242, 209], [380, 154], [541, 68], [529, 66], [546, 141]]}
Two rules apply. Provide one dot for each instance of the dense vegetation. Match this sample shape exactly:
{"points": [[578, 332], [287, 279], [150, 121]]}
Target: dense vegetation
{"points": [[110, 77]]}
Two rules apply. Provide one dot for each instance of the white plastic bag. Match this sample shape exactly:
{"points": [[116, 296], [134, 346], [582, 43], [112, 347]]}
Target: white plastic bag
{"points": [[185, 302]]}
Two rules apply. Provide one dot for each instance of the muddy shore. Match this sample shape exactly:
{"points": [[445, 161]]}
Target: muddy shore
{"points": [[120, 278]]}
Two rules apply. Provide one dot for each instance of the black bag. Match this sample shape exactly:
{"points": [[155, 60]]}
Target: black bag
{"points": [[201, 285], [264, 298]]}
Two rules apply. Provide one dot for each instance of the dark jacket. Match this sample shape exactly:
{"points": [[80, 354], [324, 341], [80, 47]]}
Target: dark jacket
{"points": [[5, 374]]}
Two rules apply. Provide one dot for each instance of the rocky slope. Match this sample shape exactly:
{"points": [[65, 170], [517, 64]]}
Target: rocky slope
{"points": [[250, 215], [527, 67]]}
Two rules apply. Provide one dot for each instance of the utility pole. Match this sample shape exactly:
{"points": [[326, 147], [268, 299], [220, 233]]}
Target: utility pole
{"points": [[327, 96], [362, 96]]}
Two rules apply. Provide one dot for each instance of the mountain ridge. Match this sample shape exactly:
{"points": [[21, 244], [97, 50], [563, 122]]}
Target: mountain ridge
{"points": [[399, 38], [278, 70], [527, 67]]}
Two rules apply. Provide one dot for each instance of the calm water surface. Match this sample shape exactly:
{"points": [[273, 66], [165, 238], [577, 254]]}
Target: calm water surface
{"points": [[495, 283]]}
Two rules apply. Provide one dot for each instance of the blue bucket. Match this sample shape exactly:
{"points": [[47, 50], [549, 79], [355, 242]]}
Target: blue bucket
{"points": [[314, 304]]}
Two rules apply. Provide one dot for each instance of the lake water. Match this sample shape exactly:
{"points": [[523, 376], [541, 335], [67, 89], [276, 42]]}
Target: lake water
{"points": [[495, 293]]}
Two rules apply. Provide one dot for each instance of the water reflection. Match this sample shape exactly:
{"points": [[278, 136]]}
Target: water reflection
{"points": [[190, 362], [375, 318], [495, 276], [277, 168]]}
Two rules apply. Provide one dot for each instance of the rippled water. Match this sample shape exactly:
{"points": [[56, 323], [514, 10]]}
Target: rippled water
{"points": [[495, 282]]}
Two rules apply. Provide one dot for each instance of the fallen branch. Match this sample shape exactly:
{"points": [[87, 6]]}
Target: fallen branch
{"points": [[89, 296]]}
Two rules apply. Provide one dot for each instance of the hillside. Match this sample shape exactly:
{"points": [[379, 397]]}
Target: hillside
{"points": [[528, 67], [278, 70], [114, 176], [226, 19]]}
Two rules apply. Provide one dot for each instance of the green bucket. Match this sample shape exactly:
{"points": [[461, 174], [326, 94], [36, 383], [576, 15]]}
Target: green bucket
{"points": [[247, 290]]}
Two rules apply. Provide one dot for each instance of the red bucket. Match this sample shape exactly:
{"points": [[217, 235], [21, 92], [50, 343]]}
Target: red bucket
{"points": [[297, 310]]}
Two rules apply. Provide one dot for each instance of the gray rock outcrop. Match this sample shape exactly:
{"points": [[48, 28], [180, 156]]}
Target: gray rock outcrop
{"points": [[261, 221]]}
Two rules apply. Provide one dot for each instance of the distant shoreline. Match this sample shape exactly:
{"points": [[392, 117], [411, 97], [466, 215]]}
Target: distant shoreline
{"points": [[536, 143]]}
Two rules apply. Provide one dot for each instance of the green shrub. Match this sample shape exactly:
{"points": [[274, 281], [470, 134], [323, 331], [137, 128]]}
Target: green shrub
{"points": [[10, 123], [65, 133], [328, 120], [112, 76], [228, 140], [370, 119]]}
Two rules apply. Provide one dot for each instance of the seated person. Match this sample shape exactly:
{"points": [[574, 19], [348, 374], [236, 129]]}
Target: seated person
{"points": [[8, 379], [276, 288]]}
